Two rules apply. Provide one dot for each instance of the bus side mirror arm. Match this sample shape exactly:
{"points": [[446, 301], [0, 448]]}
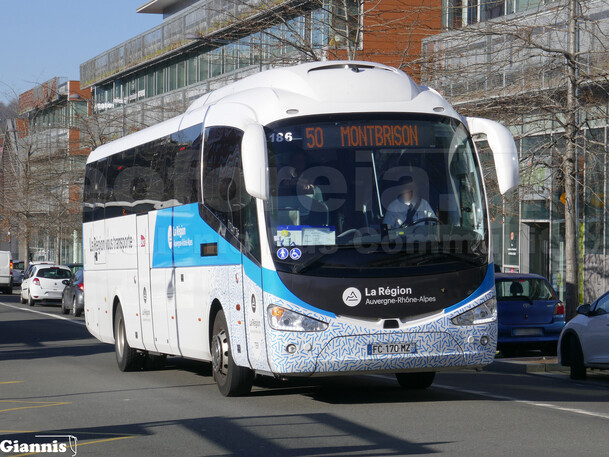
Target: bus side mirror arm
{"points": [[504, 151], [254, 157]]}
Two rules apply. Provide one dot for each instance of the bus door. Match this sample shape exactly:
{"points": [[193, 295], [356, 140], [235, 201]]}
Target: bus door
{"points": [[143, 280], [162, 281]]}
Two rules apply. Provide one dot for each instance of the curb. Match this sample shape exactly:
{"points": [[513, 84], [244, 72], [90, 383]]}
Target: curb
{"points": [[524, 366]]}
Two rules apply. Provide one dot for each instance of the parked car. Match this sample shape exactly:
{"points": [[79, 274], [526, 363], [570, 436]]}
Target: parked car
{"points": [[44, 282], [18, 266], [73, 298], [6, 272], [584, 342], [529, 313]]}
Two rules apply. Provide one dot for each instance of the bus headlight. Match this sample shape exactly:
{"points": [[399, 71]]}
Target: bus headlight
{"points": [[481, 314], [284, 319]]}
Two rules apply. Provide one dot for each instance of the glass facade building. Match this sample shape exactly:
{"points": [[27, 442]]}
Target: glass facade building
{"points": [[488, 71]]}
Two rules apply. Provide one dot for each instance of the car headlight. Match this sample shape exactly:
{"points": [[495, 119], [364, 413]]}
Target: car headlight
{"points": [[481, 314], [284, 319]]}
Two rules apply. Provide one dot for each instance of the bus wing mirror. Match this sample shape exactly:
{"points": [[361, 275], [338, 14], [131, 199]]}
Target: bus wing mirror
{"points": [[255, 161], [505, 154]]}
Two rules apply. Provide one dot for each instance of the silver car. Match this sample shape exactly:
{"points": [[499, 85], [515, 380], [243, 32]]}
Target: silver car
{"points": [[584, 342]]}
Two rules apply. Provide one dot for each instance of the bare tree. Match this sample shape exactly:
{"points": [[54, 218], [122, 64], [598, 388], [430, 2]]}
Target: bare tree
{"points": [[545, 74], [386, 31]]}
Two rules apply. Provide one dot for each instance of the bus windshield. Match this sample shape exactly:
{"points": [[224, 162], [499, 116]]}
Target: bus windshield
{"points": [[374, 195]]}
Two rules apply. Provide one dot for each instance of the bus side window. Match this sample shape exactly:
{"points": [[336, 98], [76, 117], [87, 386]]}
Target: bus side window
{"points": [[224, 187], [95, 188], [184, 176]]}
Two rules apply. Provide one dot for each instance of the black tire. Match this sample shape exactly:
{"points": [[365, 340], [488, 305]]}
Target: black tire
{"points": [[232, 380], [576, 359], [22, 300], [549, 349], [30, 300], [64, 310], [416, 381], [76, 311], [126, 357]]}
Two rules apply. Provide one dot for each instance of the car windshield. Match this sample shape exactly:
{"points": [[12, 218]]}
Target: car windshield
{"points": [[525, 288], [18, 265], [54, 273], [374, 193]]}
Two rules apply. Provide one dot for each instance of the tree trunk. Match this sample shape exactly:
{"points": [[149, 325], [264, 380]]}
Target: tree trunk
{"points": [[569, 169]]}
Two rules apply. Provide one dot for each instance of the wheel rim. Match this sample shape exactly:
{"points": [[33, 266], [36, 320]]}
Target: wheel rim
{"points": [[219, 353], [120, 338]]}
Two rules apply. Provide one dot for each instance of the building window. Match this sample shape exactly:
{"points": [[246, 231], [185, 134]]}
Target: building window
{"points": [[492, 9], [472, 11], [215, 62], [173, 78], [160, 81], [453, 14], [229, 58], [203, 67], [345, 22], [181, 68], [192, 70]]}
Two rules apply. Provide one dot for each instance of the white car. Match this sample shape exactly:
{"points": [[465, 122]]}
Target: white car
{"points": [[584, 341], [44, 282]]}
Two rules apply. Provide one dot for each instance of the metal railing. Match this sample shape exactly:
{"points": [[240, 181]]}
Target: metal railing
{"points": [[179, 31]]}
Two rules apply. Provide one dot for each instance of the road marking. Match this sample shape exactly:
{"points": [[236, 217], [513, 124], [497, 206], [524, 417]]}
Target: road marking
{"points": [[32, 404], [67, 319], [481, 393], [10, 382]]}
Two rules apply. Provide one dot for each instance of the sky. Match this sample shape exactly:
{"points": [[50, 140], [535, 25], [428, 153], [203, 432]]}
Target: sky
{"points": [[41, 39]]}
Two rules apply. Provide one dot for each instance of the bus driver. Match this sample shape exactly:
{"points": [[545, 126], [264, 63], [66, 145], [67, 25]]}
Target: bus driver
{"points": [[408, 207]]}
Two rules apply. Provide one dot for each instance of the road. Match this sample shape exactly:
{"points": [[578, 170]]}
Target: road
{"points": [[55, 379]]}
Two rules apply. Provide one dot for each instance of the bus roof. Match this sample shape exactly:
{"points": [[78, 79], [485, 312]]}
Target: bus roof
{"points": [[306, 89]]}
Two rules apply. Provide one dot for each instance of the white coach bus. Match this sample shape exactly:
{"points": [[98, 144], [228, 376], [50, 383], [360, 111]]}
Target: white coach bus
{"points": [[324, 218]]}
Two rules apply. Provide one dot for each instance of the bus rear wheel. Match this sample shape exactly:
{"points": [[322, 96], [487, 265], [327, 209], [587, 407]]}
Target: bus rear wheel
{"points": [[232, 380], [126, 357], [416, 381]]}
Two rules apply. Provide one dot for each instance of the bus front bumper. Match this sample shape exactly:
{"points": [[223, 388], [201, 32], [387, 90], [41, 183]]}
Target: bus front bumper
{"points": [[385, 352]]}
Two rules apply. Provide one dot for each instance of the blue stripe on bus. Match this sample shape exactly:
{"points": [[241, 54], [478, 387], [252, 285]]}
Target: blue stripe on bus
{"points": [[178, 236], [487, 284]]}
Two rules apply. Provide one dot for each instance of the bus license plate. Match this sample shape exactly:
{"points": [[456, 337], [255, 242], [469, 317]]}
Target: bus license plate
{"points": [[392, 348]]}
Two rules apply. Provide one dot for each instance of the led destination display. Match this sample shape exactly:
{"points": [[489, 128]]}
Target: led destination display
{"points": [[373, 135]]}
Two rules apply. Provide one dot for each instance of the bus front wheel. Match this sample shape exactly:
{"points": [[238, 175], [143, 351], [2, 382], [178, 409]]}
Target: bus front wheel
{"points": [[126, 356], [417, 381], [232, 380]]}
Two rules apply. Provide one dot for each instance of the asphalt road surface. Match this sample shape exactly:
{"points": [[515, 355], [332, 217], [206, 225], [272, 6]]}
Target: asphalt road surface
{"points": [[58, 381]]}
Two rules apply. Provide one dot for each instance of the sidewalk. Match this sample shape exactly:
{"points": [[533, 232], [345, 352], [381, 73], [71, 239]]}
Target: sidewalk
{"points": [[547, 366], [528, 365]]}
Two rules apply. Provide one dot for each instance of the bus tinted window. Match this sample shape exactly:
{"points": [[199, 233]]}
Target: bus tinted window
{"points": [[224, 187], [159, 174]]}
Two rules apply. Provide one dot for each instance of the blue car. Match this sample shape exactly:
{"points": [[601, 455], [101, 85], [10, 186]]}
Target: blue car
{"points": [[529, 314]]}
